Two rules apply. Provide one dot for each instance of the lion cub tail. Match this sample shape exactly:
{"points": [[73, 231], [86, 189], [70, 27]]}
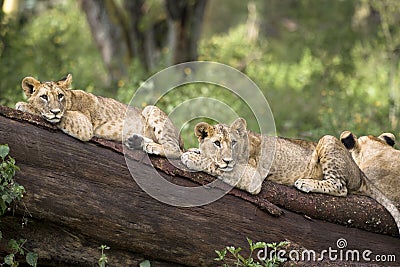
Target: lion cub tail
{"points": [[376, 194]]}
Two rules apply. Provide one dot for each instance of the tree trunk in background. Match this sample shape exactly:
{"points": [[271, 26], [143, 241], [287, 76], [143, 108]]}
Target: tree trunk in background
{"points": [[144, 30], [187, 17], [9, 6], [388, 18], [105, 23], [394, 91], [139, 45]]}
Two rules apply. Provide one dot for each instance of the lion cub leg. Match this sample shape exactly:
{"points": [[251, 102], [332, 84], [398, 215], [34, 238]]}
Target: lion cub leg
{"points": [[337, 166], [111, 130], [76, 124], [160, 127], [243, 176], [26, 107], [194, 160]]}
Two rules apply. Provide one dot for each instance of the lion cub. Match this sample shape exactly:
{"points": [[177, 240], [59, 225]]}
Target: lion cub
{"points": [[84, 115], [242, 158], [378, 159]]}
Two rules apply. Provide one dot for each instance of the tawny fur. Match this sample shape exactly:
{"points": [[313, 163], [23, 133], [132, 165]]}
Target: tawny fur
{"points": [[380, 162], [243, 159], [84, 115]]}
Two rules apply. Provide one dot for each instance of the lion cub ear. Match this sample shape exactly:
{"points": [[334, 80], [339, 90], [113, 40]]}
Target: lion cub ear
{"points": [[240, 126], [388, 138], [203, 130], [28, 85], [66, 81], [348, 139]]}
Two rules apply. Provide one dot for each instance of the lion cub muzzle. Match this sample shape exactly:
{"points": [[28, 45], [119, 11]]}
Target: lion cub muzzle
{"points": [[227, 164], [54, 116]]}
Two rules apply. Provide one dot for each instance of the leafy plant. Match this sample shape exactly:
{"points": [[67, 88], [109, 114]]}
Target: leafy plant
{"points": [[145, 263], [250, 261], [16, 247], [11, 192], [103, 260]]}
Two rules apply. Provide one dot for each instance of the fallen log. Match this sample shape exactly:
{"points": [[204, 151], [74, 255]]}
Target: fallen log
{"points": [[81, 195]]}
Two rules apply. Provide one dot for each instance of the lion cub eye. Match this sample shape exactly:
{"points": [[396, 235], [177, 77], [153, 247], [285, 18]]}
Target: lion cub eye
{"points": [[44, 97], [217, 143], [60, 96], [234, 142]]}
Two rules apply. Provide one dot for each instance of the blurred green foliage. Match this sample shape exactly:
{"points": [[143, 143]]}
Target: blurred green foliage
{"points": [[321, 74], [324, 66], [47, 46]]}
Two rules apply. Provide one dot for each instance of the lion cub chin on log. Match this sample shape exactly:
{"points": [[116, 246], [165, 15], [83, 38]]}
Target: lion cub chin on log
{"points": [[241, 158], [84, 115]]}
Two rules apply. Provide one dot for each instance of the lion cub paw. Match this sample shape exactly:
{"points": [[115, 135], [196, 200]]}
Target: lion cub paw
{"points": [[152, 148], [22, 106], [305, 185], [136, 141], [190, 158]]}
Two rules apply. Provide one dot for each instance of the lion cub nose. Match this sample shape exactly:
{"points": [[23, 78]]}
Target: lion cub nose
{"points": [[227, 160], [55, 111]]}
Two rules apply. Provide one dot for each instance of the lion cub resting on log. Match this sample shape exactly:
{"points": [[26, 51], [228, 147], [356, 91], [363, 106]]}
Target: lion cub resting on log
{"points": [[378, 159], [84, 115], [242, 158]]}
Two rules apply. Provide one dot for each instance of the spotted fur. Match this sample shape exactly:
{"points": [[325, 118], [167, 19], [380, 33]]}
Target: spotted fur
{"points": [[324, 167], [84, 115]]}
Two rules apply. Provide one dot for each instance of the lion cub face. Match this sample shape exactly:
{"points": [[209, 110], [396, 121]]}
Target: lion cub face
{"points": [[48, 98], [220, 142], [366, 147]]}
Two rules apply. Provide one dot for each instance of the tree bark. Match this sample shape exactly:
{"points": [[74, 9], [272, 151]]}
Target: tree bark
{"points": [[81, 195]]}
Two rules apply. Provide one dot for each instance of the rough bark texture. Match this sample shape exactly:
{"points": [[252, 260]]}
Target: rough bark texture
{"points": [[81, 195]]}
